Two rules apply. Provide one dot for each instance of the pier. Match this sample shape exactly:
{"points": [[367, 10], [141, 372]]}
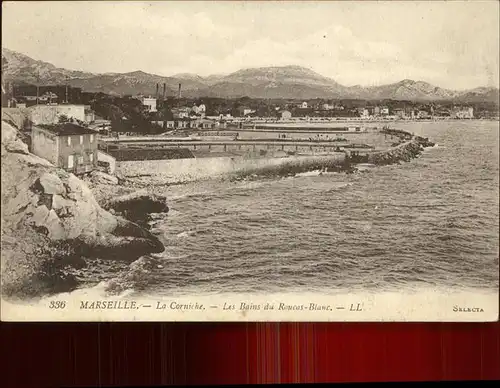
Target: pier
{"points": [[236, 145]]}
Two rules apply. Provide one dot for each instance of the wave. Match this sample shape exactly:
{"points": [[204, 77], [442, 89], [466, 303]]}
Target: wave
{"points": [[435, 146], [339, 187], [362, 167], [186, 233], [185, 171], [291, 167], [309, 173]]}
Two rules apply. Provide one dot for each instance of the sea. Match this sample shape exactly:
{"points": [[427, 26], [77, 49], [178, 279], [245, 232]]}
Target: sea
{"points": [[430, 223]]}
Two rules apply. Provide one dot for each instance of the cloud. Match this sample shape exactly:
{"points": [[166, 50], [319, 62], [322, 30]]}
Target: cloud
{"points": [[353, 42], [328, 51]]}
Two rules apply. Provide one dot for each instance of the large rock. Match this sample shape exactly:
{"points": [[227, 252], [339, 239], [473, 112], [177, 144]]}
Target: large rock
{"points": [[99, 177], [137, 206], [17, 146], [137, 277], [51, 184], [50, 218], [12, 141]]}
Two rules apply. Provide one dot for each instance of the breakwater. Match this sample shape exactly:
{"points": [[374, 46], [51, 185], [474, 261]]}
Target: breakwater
{"points": [[188, 170], [401, 153]]}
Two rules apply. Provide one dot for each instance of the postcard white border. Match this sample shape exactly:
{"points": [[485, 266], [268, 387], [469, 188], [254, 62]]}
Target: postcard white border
{"points": [[426, 306]]}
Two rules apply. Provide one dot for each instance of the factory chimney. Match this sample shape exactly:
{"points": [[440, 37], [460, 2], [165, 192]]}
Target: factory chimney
{"points": [[157, 90], [179, 94], [37, 87], [164, 91]]}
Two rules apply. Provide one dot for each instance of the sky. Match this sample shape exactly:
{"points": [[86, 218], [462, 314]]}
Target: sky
{"points": [[452, 44]]}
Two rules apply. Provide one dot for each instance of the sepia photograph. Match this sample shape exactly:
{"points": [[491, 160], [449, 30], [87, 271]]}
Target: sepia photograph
{"points": [[250, 161]]}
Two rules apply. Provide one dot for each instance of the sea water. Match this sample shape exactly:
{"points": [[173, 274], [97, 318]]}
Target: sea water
{"points": [[431, 223]]}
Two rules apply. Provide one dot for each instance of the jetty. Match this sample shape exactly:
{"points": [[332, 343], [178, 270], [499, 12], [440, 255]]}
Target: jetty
{"points": [[240, 144]]}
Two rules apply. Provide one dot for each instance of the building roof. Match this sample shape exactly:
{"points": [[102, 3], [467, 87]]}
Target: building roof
{"points": [[67, 129], [207, 121]]}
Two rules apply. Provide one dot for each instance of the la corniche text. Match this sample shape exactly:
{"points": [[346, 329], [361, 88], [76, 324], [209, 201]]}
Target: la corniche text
{"points": [[179, 306]]}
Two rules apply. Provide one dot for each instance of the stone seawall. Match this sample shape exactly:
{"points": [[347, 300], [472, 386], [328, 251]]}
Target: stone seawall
{"points": [[188, 170]]}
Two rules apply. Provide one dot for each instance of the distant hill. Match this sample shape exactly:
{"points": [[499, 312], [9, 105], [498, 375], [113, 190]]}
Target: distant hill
{"points": [[136, 82], [21, 68], [189, 77], [404, 90], [290, 82], [482, 94], [277, 82]]}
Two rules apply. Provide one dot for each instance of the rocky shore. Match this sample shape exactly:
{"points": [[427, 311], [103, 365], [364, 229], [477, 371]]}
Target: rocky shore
{"points": [[51, 221]]}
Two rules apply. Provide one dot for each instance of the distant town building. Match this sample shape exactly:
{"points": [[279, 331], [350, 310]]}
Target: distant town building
{"points": [[177, 123], [200, 109], [149, 103], [239, 111], [100, 125], [47, 94], [89, 114], [182, 124], [442, 112], [106, 161], [68, 146], [384, 111], [399, 113], [205, 124], [463, 112], [423, 114], [220, 124], [182, 112], [48, 98], [286, 114], [363, 112], [50, 114], [168, 124], [304, 105], [410, 112]]}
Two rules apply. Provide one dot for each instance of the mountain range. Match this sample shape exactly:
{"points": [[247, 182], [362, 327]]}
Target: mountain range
{"points": [[290, 82]]}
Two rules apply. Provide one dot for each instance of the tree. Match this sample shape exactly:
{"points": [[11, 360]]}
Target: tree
{"points": [[63, 119], [167, 114]]}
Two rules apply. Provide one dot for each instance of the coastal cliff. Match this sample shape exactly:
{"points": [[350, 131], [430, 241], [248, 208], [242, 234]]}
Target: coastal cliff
{"points": [[51, 220]]}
